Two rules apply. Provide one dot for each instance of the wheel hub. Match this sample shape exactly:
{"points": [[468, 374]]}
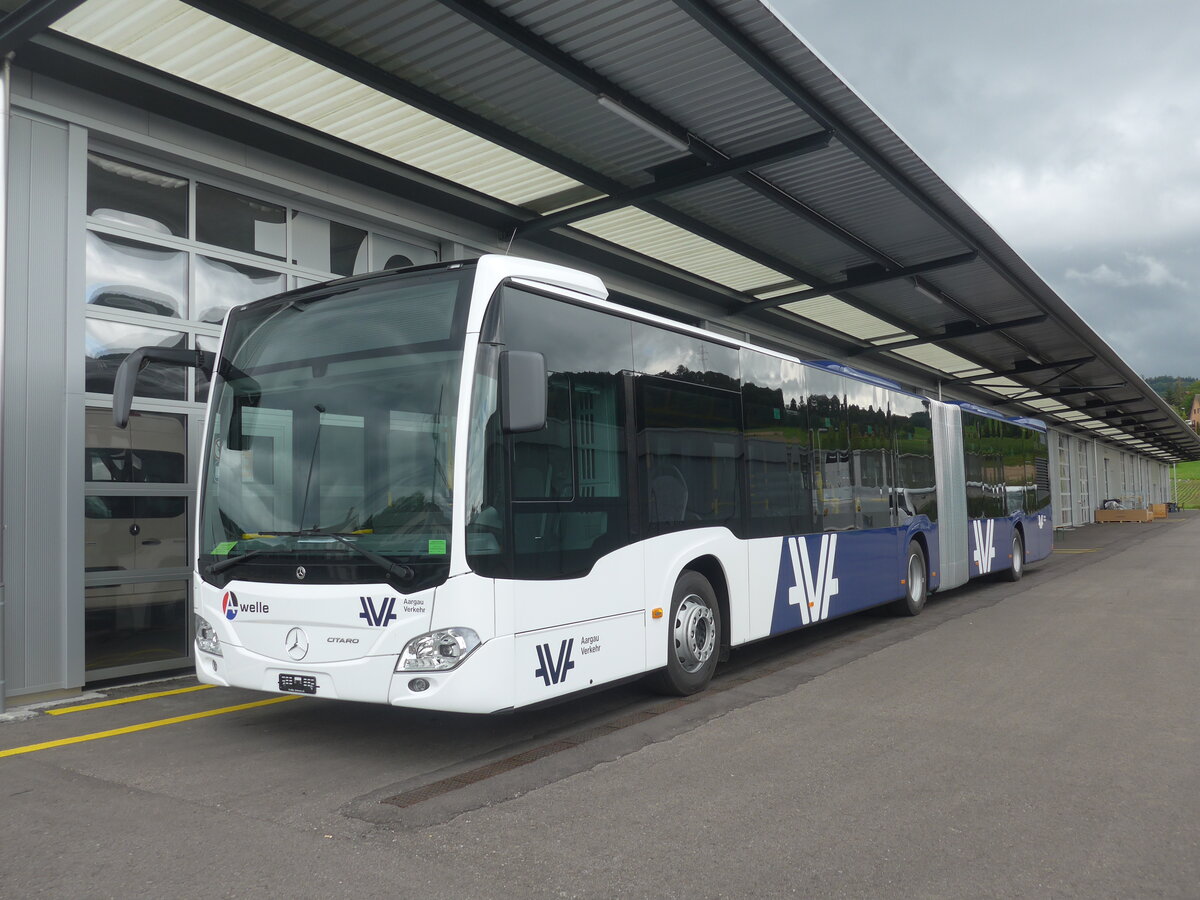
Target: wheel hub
{"points": [[695, 633]]}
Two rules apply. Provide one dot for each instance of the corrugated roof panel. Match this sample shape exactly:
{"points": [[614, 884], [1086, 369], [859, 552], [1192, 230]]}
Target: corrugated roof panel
{"points": [[178, 39], [662, 55], [435, 48], [1047, 405], [835, 183], [747, 215], [675, 246], [833, 313], [936, 357]]}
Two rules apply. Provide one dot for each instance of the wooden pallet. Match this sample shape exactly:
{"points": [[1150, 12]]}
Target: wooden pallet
{"points": [[1124, 515]]}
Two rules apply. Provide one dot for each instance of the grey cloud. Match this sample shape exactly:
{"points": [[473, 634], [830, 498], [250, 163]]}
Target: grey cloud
{"points": [[1139, 269], [1070, 126]]}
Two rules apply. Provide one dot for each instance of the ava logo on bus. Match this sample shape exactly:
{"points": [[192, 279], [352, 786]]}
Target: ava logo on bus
{"points": [[548, 669], [377, 617], [810, 584], [229, 606], [985, 544]]}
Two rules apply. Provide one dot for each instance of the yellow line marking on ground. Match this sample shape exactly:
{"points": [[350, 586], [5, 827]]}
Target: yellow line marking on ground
{"points": [[144, 726], [1074, 550], [100, 703]]}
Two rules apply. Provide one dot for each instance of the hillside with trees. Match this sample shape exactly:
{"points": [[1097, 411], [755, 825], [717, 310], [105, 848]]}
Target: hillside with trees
{"points": [[1177, 390]]}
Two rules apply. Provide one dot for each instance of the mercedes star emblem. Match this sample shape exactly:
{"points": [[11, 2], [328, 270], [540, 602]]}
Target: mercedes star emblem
{"points": [[300, 572], [296, 643]]}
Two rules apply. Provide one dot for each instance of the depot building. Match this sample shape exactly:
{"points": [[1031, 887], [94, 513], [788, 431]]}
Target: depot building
{"points": [[167, 161]]}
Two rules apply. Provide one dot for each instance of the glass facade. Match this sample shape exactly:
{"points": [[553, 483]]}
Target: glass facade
{"points": [[167, 255]]}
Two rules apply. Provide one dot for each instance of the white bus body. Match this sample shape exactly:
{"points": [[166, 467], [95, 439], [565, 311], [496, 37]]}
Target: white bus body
{"points": [[613, 519]]}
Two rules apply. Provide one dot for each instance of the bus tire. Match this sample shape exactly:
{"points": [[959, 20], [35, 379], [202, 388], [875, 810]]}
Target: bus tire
{"points": [[916, 583], [693, 638], [1017, 569]]}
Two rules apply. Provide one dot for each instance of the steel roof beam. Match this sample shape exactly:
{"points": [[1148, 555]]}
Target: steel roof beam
{"points": [[1086, 389], [535, 46], [31, 18], [862, 281], [955, 330], [1024, 369], [682, 181]]}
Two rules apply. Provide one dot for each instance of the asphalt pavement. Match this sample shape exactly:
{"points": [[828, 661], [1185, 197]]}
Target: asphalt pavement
{"points": [[1038, 739]]}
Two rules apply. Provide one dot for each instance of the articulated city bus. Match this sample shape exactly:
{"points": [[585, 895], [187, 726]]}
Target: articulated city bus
{"points": [[477, 486]]}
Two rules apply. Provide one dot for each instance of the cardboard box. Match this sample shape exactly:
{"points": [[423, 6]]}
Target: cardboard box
{"points": [[1124, 515], [1159, 510]]}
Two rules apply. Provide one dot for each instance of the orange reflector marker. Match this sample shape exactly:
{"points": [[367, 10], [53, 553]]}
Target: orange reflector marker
{"points": [[902, 581], [656, 613]]}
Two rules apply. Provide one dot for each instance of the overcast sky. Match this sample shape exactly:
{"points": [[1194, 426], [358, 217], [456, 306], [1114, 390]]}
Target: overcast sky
{"points": [[1071, 126]]}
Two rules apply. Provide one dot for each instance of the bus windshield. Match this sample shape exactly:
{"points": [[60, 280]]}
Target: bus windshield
{"points": [[334, 414]]}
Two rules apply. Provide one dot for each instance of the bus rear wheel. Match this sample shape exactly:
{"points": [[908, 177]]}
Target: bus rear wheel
{"points": [[693, 638], [1018, 558], [916, 583]]}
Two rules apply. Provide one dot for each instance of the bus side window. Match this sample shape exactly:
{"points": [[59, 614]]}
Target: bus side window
{"points": [[778, 454], [569, 503], [689, 438]]}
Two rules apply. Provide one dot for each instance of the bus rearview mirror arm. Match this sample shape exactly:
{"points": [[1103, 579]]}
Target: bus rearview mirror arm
{"points": [[523, 391], [128, 371]]}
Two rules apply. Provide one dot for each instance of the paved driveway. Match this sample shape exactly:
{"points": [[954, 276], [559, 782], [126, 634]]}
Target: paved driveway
{"points": [[1028, 740]]}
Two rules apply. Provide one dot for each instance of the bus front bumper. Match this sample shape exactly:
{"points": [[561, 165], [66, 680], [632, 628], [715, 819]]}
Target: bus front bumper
{"points": [[481, 683]]}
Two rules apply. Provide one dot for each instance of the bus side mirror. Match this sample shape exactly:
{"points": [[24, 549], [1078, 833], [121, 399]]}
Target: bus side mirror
{"points": [[523, 391], [127, 373]]}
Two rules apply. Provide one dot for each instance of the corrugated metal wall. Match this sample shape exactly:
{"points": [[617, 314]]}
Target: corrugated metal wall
{"points": [[44, 622]]}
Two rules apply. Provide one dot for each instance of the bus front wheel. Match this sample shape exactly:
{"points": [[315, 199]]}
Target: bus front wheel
{"points": [[916, 583], [693, 638]]}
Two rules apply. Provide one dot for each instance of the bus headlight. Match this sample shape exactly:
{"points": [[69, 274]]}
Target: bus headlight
{"points": [[206, 638], [437, 650]]}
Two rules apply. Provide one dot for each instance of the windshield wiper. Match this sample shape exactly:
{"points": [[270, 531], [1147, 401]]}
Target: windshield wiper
{"points": [[399, 570], [214, 568]]}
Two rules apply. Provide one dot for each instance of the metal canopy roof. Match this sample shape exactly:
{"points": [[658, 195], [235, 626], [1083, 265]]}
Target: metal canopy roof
{"points": [[700, 141]]}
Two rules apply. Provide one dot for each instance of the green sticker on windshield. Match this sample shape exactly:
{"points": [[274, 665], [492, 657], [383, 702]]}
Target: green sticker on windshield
{"points": [[223, 549], [437, 548]]}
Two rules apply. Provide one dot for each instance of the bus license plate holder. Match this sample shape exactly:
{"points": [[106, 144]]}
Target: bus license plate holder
{"points": [[297, 684]]}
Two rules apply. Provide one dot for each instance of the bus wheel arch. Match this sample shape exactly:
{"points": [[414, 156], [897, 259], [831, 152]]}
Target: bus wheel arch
{"points": [[923, 540], [712, 570]]}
